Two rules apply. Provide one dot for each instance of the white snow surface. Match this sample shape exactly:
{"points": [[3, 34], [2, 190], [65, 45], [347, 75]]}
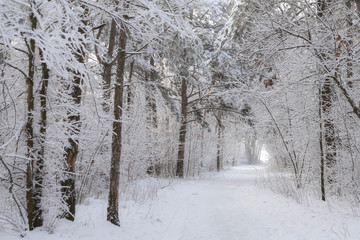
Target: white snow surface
{"points": [[227, 206]]}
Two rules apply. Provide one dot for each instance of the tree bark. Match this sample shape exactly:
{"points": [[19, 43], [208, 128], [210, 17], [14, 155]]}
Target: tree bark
{"points": [[113, 201], [328, 126], [39, 165], [32, 210], [202, 143], [218, 155], [327, 94], [108, 64], [321, 144], [355, 107], [349, 45], [71, 152], [357, 3], [183, 126], [129, 91]]}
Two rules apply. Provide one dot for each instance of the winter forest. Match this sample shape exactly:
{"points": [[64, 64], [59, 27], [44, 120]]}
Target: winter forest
{"points": [[114, 101]]}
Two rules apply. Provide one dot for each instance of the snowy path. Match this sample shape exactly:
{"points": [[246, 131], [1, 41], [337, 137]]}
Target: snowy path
{"points": [[225, 207], [229, 207]]}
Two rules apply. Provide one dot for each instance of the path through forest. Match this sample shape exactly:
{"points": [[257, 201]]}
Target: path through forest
{"points": [[230, 207], [227, 206]]}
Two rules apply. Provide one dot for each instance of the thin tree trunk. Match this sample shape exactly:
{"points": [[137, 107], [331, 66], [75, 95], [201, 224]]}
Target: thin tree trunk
{"points": [[32, 210], [202, 143], [326, 106], [357, 3], [354, 105], [108, 64], [113, 201], [321, 144], [218, 155], [183, 126], [129, 91], [151, 96], [349, 45]]}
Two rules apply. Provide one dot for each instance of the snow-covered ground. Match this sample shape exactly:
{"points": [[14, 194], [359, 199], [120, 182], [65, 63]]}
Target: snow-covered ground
{"points": [[227, 206]]}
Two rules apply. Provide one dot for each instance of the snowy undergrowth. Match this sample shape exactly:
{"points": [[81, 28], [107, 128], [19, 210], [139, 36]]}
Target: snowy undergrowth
{"points": [[92, 212], [285, 184], [142, 190]]}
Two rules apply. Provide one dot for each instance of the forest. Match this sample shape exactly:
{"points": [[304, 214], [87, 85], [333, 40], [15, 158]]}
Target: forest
{"points": [[98, 95]]}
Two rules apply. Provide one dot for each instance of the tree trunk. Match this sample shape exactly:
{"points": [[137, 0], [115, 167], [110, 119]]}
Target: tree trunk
{"points": [[202, 143], [321, 144], [353, 103], [349, 46], [71, 152], [183, 125], [357, 3], [113, 201], [32, 210], [218, 155], [108, 64], [329, 128], [129, 91], [326, 106], [39, 165]]}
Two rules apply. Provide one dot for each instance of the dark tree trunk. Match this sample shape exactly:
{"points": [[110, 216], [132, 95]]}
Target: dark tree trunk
{"points": [[32, 210], [349, 46], [218, 155], [183, 126], [68, 182], [322, 161], [113, 201], [329, 128], [329, 146], [357, 3], [353, 103], [108, 64], [202, 142], [129, 91], [39, 164], [71, 152]]}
